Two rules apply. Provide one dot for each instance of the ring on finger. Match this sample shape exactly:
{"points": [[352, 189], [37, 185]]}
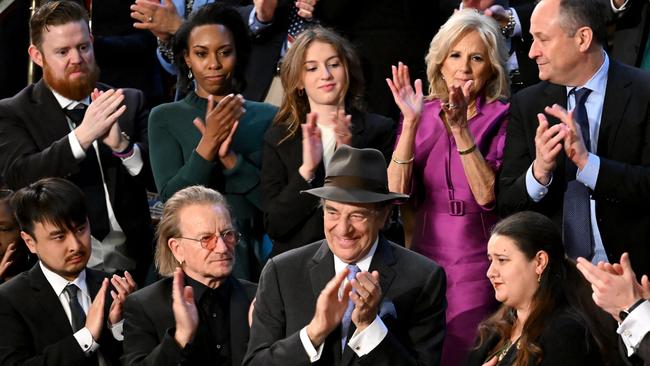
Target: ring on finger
{"points": [[452, 106], [150, 19]]}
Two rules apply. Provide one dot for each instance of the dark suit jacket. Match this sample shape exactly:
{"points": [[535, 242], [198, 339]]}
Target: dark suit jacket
{"points": [[412, 286], [149, 327], [565, 341], [631, 33], [622, 191], [521, 44], [290, 218], [35, 329], [35, 145], [644, 350]]}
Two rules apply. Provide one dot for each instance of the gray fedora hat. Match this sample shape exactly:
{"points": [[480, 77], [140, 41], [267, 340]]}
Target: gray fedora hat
{"points": [[356, 176]]}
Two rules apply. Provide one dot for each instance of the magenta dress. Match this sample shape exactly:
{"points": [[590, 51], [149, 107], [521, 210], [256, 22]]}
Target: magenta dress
{"points": [[450, 226]]}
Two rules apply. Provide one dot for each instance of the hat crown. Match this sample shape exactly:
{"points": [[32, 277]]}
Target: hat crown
{"points": [[367, 164]]}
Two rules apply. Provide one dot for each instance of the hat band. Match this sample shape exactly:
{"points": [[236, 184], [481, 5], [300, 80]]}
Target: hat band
{"points": [[353, 182]]}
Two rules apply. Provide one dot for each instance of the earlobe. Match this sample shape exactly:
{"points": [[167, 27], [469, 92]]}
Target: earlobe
{"points": [[35, 55]]}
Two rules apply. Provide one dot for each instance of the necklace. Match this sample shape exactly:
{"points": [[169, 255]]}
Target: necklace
{"points": [[506, 348]]}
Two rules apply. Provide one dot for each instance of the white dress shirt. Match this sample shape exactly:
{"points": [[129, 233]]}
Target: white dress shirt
{"points": [[635, 326]]}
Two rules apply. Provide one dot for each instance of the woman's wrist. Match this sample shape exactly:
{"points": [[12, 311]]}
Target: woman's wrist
{"points": [[306, 173]]}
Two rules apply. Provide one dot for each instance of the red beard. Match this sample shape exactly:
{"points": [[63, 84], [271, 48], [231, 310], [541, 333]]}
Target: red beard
{"points": [[73, 89]]}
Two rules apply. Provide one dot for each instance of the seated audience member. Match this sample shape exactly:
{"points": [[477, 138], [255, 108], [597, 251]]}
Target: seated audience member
{"points": [[321, 110], [48, 314], [587, 170], [14, 256], [390, 311], [447, 155], [68, 125], [198, 317], [272, 25], [213, 137], [617, 292], [547, 317]]}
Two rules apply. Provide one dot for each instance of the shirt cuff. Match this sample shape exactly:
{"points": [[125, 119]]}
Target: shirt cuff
{"points": [[117, 330], [365, 341], [255, 25], [77, 150], [536, 190], [86, 341], [517, 31], [635, 326], [134, 163], [618, 10], [313, 353], [589, 174]]}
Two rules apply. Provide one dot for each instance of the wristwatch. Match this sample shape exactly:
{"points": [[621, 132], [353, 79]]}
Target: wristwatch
{"points": [[624, 313]]}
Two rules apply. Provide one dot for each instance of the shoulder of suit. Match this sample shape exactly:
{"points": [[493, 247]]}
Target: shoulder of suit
{"points": [[297, 255], [26, 94], [276, 133], [162, 286]]}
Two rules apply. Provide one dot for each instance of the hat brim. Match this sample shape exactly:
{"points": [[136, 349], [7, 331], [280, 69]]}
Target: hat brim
{"points": [[354, 195]]}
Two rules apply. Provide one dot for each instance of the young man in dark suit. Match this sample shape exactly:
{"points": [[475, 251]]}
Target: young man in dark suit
{"points": [[48, 314], [391, 309], [588, 169], [68, 125]]}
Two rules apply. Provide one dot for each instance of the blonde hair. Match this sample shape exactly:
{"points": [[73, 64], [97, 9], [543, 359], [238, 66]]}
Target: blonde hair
{"points": [[295, 106], [169, 226], [459, 25]]}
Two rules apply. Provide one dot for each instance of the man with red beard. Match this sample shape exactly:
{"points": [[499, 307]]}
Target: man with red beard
{"points": [[67, 125]]}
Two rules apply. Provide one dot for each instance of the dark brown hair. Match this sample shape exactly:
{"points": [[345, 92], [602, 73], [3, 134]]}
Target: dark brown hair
{"points": [[54, 13], [561, 286], [295, 106]]}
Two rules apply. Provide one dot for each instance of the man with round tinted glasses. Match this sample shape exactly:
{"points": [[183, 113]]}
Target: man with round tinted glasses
{"points": [[197, 314]]}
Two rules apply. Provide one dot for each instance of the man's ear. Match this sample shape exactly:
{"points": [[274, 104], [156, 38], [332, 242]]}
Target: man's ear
{"points": [[177, 250], [29, 241], [585, 38], [35, 54]]}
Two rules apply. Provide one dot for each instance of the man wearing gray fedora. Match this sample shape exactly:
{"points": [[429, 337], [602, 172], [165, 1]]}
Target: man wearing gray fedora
{"points": [[354, 298]]}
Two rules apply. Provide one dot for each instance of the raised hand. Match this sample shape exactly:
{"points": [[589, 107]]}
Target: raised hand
{"points": [[548, 144], [102, 114], [95, 316], [265, 9], [408, 98], [366, 298], [574, 146], [340, 123], [123, 287], [306, 8], [7, 259], [329, 309], [456, 108], [184, 308], [160, 18], [312, 147], [113, 138], [218, 126]]}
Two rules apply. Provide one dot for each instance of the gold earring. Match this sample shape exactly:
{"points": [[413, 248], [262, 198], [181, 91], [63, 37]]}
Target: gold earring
{"points": [[539, 278], [189, 74]]}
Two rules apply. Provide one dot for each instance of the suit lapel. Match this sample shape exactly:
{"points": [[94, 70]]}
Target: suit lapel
{"points": [[617, 97], [49, 303], [321, 268], [238, 316], [55, 125], [357, 128], [554, 94]]}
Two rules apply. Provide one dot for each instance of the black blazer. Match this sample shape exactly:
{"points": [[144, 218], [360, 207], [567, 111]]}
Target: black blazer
{"points": [[565, 341], [149, 327], [292, 219], [631, 33], [35, 145], [412, 308], [35, 329], [622, 191]]}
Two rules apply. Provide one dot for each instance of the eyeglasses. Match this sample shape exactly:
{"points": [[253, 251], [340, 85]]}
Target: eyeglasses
{"points": [[209, 242]]}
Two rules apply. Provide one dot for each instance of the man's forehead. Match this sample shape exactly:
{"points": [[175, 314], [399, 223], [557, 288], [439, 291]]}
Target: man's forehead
{"points": [[349, 206], [68, 34]]}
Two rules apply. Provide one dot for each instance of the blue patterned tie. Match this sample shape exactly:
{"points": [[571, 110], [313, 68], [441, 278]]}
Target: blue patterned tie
{"points": [[347, 317], [576, 223]]}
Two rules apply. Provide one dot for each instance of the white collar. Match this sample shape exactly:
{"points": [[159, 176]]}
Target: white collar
{"points": [[598, 81], [363, 264], [59, 283], [66, 103]]}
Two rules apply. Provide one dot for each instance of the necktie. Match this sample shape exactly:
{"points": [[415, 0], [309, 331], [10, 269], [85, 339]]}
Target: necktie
{"points": [[576, 222], [76, 311], [347, 316], [89, 179]]}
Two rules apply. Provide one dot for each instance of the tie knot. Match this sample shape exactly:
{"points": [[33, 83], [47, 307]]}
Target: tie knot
{"points": [[76, 115], [354, 269], [581, 95], [71, 289]]}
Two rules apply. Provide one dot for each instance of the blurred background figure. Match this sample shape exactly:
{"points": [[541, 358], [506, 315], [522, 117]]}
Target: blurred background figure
{"points": [[448, 152], [547, 317], [14, 255], [322, 109], [213, 137]]}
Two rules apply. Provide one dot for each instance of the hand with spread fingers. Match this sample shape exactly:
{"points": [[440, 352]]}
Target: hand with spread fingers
{"points": [[548, 145], [614, 289], [7, 259], [329, 309], [574, 146], [219, 126], [366, 297], [456, 107], [341, 123], [409, 98], [312, 147], [123, 287], [100, 117], [160, 18], [306, 8], [184, 308]]}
